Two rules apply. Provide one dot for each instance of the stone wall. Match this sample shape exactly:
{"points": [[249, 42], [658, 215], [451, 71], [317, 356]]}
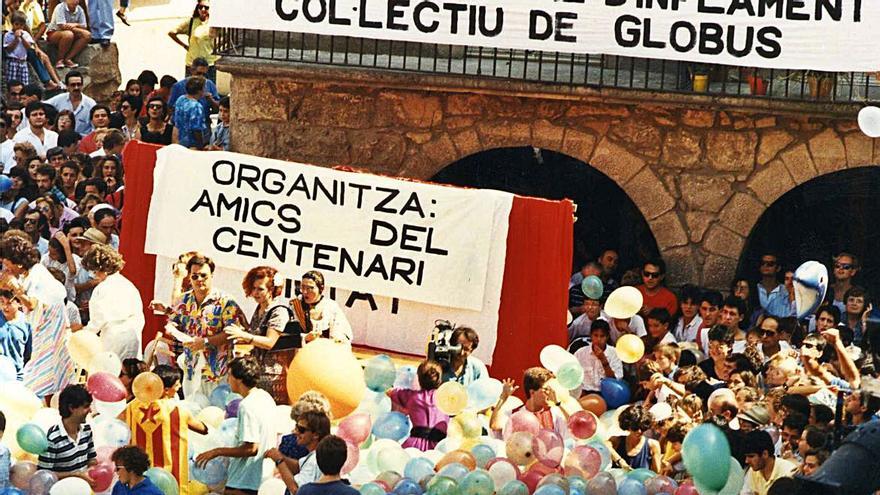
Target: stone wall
{"points": [[702, 176]]}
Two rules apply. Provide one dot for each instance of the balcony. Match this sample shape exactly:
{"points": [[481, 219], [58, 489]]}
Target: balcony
{"points": [[562, 70]]}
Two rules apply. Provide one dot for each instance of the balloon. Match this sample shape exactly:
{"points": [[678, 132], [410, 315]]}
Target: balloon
{"points": [[212, 416], [577, 484], [377, 448], [477, 483], [162, 479], [417, 468], [374, 405], [521, 420], [105, 361], [554, 356], [379, 373], [390, 459], [366, 489], [548, 448], [602, 484], [106, 387], [213, 473], [466, 425], [352, 457], [810, 285], [441, 485], [869, 123], [218, 395], [660, 484], [20, 400], [630, 486], [641, 475], [83, 346], [483, 454], [344, 387], [109, 409], [111, 432], [232, 408], [630, 348], [407, 486], [604, 453], [583, 424], [355, 428], [41, 482], [514, 487], [453, 471], [407, 377], [733, 485], [102, 474], [550, 489], [104, 454], [502, 471], [615, 392], [593, 287], [5, 183], [147, 387], [451, 398], [8, 373], [594, 403], [583, 460], [71, 486], [623, 303], [274, 486], [462, 457], [705, 452], [393, 425], [519, 448], [32, 439], [21, 473], [570, 375], [687, 489], [483, 393]]}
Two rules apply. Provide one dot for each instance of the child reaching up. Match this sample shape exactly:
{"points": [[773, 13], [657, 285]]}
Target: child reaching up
{"points": [[429, 422]]}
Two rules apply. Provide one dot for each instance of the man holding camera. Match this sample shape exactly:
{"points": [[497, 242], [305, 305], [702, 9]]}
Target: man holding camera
{"points": [[461, 366]]}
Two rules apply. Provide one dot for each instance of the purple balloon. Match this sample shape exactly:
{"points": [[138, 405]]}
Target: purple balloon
{"points": [[5, 183], [232, 408]]}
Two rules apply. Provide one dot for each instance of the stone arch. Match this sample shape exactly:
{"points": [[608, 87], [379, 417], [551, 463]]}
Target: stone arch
{"points": [[815, 220], [607, 215]]}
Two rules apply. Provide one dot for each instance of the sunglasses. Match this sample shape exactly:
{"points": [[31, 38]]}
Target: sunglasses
{"points": [[125, 107], [203, 7], [768, 333], [843, 266], [17, 93], [198, 276], [768, 263], [154, 107], [31, 220], [651, 274], [302, 429], [808, 345]]}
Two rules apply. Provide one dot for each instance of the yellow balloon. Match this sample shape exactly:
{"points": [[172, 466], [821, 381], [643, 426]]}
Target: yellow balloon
{"points": [[330, 368], [83, 346], [451, 398], [469, 424], [147, 387], [630, 348], [19, 400], [624, 303], [196, 488], [212, 416]]}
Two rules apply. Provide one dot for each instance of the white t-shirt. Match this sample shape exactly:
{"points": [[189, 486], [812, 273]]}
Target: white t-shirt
{"points": [[50, 140], [68, 277], [594, 372], [636, 326], [256, 424]]}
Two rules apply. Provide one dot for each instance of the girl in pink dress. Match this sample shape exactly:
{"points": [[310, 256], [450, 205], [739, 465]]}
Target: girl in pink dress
{"points": [[429, 423]]}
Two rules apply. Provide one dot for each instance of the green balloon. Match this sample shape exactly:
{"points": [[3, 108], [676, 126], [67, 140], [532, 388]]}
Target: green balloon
{"points": [[706, 455], [514, 487], [32, 439], [641, 475], [593, 287], [570, 375], [372, 489], [441, 485], [163, 480], [477, 482]]}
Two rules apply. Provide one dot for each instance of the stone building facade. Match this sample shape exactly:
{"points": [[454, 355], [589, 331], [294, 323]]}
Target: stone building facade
{"points": [[702, 170]]}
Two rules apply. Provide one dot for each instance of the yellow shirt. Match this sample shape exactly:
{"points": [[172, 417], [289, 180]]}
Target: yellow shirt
{"points": [[755, 484], [201, 41], [34, 15], [160, 429]]}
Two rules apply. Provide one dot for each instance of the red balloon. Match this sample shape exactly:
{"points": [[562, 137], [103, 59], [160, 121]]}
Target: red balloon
{"points": [[355, 428], [531, 478], [548, 448], [102, 474], [582, 424], [106, 387], [585, 459], [352, 457], [687, 489]]}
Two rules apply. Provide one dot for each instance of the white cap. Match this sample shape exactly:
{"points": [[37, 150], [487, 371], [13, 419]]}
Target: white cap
{"points": [[660, 411]]}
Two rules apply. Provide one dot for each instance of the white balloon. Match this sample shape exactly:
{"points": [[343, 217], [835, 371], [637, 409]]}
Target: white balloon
{"points": [[105, 361], [624, 303], [8, 373], [272, 486], [109, 409], [71, 486], [869, 121], [554, 356], [46, 417]]}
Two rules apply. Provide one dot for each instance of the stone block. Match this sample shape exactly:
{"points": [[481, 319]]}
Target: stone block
{"points": [[721, 241], [259, 99], [341, 110], [799, 163], [412, 109], [828, 152], [705, 192], [99, 67], [638, 135], [597, 109], [680, 266], [327, 146], [379, 151], [610, 159], [577, 144], [504, 134], [467, 142], [718, 271], [258, 138], [765, 122], [859, 149], [731, 150], [456, 123], [681, 149], [772, 141], [771, 181], [698, 118], [550, 109], [441, 150], [741, 213], [465, 104], [697, 223], [547, 135], [649, 194], [668, 230]]}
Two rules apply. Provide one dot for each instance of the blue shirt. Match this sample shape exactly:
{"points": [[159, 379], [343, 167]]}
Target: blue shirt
{"points": [[4, 467], [189, 117], [775, 303], [179, 91], [145, 487], [81, 113], [332, 488], [471, 372], [16, 339]]}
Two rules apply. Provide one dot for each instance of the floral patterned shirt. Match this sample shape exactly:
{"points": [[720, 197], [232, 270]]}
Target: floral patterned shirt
{"points": [[217, 311]]}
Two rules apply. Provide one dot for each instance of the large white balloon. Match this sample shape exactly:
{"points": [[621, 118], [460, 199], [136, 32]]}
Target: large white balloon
{"points": [[71, 486], [869, 121], [272, 486], [810, 285], [624, 303]]}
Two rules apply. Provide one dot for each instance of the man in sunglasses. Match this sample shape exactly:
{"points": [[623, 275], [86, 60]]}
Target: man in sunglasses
{"points": [[654, 294], [13, 90], [770, 343], [846, 266], [76, 101], [772, 295]]}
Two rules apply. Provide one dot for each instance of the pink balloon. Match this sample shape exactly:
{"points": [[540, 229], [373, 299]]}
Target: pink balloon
{"points": [[355, 428], [660, 484], [352, 458], [521, 420], [548, 448], [102, 474], [535, 474], [687, 489], [582, 424], [585, 459], [106, 387], [104, 453]]}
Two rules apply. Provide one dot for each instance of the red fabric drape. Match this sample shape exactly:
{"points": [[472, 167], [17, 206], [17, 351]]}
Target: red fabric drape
{"points": [[534, 295]]}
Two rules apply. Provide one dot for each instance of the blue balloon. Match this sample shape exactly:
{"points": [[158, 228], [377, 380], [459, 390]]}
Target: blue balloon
{"points": [[407, 377], [810, 284], [514, 487], [417, 468], [483, 393], [220, 395], [483, 454], [615, 392], [454, 470], [578, 483], [5, 183], [372, 489], [379, 373], [407, 486], [11, 490], [213, 473], [111, 431], [630, 486], [550, 490], [477, 482], [393, 425]]}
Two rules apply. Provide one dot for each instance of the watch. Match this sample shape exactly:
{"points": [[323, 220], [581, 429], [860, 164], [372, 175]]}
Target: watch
{"points": [[279, 461]]}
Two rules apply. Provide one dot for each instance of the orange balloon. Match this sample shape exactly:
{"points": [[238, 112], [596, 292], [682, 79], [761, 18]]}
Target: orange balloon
{"points": [[147, 387], [330, 368], [462, 457], [594, 403]]}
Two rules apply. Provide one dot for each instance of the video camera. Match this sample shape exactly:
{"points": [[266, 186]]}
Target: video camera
{"points": [[441, 348]]}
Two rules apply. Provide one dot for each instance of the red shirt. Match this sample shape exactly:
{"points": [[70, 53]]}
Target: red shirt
{"points": [[663, 298]]}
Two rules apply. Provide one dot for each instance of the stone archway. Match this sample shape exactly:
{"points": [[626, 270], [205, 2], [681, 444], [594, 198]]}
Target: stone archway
{"points": [[606, 216]]}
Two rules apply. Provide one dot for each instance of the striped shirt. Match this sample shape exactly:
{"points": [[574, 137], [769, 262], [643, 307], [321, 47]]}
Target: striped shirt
{"points": [[67, 454]]}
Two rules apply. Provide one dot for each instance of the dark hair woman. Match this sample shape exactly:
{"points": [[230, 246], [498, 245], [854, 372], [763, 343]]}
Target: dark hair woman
{"points": [[126, 116], [320, 316], [154, 128]]}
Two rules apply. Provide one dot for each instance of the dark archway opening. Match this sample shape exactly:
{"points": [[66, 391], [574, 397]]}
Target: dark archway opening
{"points": [[607, 217], [819, 219]]}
